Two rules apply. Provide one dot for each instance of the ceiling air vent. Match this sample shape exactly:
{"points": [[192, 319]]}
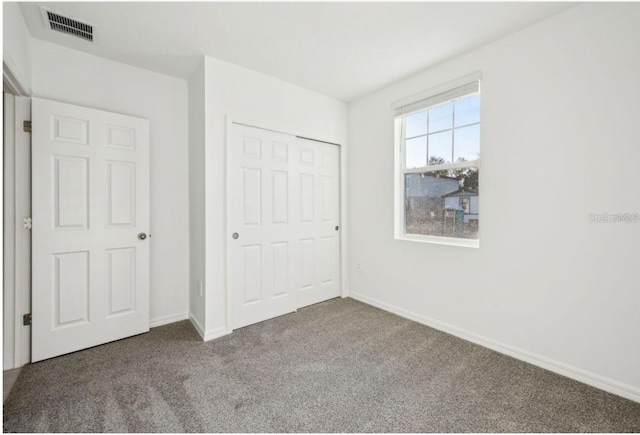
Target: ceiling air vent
{"points": [[70, 26]]}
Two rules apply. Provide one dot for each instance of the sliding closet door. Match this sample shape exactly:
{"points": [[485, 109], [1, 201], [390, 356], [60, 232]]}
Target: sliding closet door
{"points": [[317, 232], [283, 223], [262, 243]]}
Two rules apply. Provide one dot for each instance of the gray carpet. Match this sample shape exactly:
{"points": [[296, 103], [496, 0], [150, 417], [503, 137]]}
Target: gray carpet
{"points": [[339, 366]]}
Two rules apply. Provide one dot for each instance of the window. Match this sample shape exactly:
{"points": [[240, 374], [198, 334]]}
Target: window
{"points": [[437, 166]]}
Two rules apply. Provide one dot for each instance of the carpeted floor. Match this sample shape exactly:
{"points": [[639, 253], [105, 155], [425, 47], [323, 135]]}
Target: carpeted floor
{"points": [[339, 366]]}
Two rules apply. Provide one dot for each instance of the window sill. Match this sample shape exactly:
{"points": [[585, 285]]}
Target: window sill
{"points": [[451, 241]]}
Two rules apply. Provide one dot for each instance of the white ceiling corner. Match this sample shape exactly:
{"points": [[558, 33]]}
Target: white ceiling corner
{"points": [[342, 50]]}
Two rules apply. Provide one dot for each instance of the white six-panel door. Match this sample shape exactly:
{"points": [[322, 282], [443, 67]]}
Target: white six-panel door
{"points": [[317, 222], [283, 222], [90, 255]]}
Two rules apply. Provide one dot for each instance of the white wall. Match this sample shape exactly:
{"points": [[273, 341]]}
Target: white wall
{"points": [[74, 77], [560, 110], [16, 44], [262, 101], [197, 218]]}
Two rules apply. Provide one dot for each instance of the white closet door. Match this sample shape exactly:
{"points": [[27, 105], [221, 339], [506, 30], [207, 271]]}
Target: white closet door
{"points": [[262, 194], [318, 219], [90, 261], [283, 223]]}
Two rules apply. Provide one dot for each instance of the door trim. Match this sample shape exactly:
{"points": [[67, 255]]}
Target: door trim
{"points": [[19, 205], [342, 270], [17, 202], [23, 237], [11, 82], [227, 195]]}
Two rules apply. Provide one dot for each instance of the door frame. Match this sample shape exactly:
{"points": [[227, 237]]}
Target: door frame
{"points": [[342, 270], [17, 202]]}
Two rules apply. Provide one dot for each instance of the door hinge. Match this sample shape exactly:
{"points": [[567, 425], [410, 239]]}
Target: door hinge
{"points": [[26, 319], [27, 224], [26, 126]]}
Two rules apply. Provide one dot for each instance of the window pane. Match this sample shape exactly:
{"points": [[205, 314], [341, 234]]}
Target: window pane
{"points": [[441, 117], [468, 110], [416, 152], [442, 204], [466, 143], [440, 148], [416, 124]]}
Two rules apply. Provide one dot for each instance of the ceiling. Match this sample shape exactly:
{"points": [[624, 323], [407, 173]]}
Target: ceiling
{"points": [[343, 50]]}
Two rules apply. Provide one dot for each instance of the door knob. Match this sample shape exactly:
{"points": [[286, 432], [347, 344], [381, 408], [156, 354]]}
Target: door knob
{"points": [[142, 236], [235, 235], [337, 227]]}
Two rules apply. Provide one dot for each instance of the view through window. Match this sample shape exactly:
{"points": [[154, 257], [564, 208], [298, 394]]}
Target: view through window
{"points": [[439, 165]]}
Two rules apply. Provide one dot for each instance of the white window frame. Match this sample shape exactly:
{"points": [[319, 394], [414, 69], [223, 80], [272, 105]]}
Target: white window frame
{"points": [[399, 163]]}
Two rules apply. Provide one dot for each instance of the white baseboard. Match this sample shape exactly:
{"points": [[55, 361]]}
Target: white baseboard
{"points": [[607, 384], [216, 333], [208, 335], [165, 320], [9, 378], [196, 325]]}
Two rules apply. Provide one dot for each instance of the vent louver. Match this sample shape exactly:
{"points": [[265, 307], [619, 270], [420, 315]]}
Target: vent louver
{"points": [[67, 25]]}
